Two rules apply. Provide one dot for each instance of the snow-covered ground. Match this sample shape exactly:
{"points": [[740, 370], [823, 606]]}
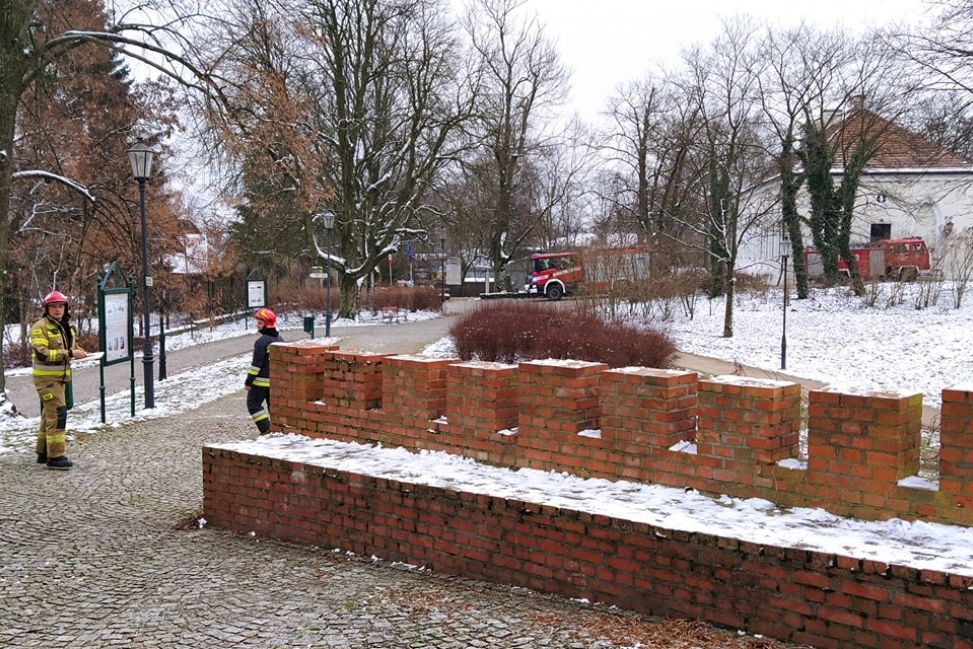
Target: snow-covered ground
{"points": [[180, 392], [832, 337]]}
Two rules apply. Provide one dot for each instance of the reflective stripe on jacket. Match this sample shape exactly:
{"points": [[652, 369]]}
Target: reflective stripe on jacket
{"points": [[49, 349], [258, 374]]}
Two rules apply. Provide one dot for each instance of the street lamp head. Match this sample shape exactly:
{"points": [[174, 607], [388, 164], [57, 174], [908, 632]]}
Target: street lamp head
{"points": [[785, 245], [140, 155], [328, 220], [442, 238]]}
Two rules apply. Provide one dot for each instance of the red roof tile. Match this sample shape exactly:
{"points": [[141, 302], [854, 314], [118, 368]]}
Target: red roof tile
{"points": [[897, 148]]}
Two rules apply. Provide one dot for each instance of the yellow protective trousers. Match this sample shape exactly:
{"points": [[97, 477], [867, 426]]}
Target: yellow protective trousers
{"points": [[54, 416]]}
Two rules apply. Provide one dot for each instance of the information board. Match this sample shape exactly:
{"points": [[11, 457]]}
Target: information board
{"points": [[116, 325], [453, 271], [256, 293]]}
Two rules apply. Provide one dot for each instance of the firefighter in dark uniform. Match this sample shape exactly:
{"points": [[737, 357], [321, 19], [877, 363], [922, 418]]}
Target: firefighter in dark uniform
{"points": [[53, 343], [258, 376]]}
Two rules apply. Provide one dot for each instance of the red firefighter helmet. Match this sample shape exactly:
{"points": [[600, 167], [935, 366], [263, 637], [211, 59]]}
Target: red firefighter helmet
{"points": [[55, 297], [268, 317]]}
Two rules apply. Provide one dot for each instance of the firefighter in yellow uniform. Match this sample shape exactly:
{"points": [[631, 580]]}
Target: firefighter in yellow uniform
{"points": [[53, 342]]}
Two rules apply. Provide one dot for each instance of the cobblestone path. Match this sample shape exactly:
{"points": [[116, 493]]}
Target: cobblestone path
{"points": [[107, 555]]}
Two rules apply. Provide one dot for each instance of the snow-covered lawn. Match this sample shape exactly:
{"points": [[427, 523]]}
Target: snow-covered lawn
{"points": [[831, 337], [834, 337]]}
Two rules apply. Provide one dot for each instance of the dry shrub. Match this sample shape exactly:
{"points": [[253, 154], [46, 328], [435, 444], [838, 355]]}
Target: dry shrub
{"points": [[16, 355], [304, 300], [755, 284], [89, 342], [508, 332], [412, 298], [670, 286]]}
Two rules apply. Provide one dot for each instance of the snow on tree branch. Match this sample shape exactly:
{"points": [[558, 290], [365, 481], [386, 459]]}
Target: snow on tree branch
{"points": [[47, 175]]}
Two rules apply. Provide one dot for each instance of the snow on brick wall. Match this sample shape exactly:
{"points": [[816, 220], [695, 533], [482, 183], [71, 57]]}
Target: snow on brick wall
{"points": [[863, 446], [825, 600]]}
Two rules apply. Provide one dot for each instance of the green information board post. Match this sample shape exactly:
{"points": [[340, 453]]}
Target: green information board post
{"points": [[116, 333]]}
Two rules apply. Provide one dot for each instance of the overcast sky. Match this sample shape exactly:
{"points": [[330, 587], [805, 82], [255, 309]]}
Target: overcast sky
{"points": [[608, 42]]}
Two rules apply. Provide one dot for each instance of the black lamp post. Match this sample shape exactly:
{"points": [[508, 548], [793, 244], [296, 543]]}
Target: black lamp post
{"points": [[329, 226], [785, 251], [162, 338], [140, 156], [442, 270]]}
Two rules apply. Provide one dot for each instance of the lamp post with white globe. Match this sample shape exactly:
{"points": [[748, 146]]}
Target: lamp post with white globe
{"points": [[140, 157]]}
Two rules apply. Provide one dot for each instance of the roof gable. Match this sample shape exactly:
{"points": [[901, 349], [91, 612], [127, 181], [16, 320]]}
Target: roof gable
{"points": [[895, 147]]}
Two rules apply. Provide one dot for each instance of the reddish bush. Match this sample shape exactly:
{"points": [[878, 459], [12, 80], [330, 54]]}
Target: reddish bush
{"points": [[507, 332], [89, 342], [303, 300], [16, 355]]}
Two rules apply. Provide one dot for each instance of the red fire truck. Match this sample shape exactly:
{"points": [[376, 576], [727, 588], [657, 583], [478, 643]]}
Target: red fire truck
{"points": [[556, 274], [900, 259]]}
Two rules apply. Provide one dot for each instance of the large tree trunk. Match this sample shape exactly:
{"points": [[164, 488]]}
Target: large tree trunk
{"points": [[790, 184], [8, 111], [728, 309], [349, 305]]}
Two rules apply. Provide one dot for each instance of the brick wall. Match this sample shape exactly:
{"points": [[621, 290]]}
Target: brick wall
{"points": [[795, 595], [735, 431]]}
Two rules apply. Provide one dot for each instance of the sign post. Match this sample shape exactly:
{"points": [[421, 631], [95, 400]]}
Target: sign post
{"points": [[116, 330], [318, 272], [256, 296]]}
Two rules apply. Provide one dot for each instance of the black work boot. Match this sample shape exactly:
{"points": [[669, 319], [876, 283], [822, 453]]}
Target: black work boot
{"points": [[59, 463], [42, 458]]}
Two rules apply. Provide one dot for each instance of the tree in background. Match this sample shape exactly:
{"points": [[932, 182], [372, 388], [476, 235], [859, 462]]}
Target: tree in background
{"points": [[844, 144], [730, 155], [65, 108], [344, 106], [522, 78], [798, 70], [649, 146], [267, 129]]}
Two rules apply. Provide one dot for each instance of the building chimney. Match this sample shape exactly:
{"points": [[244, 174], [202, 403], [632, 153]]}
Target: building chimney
{"points": [[829, 117]]}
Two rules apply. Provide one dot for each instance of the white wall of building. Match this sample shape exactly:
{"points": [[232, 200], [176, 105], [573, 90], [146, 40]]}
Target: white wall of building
{"points": [[921, 203]]}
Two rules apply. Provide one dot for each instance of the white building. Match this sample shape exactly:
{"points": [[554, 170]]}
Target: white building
{"points": [[910, 187]]}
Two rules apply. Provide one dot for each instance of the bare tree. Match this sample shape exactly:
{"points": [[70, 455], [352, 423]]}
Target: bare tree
{"points": [[352, 107], [559, 190], [649, 148], [958, 256], [37, 36], [943, 51], [844, 148], [730, 155], [522, 77], [798, 73]]}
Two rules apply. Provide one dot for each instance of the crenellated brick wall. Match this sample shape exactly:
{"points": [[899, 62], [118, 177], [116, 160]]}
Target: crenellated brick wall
{"points": [[722, 435], [729, 434], [825, 600]]}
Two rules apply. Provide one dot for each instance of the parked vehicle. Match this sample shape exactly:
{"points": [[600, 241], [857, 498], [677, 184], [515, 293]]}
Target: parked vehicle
{"points": [[899, 259], [556, 274]]}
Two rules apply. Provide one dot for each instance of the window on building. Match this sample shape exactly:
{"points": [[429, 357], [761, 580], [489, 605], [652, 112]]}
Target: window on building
{"points": [[880, 231]]}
